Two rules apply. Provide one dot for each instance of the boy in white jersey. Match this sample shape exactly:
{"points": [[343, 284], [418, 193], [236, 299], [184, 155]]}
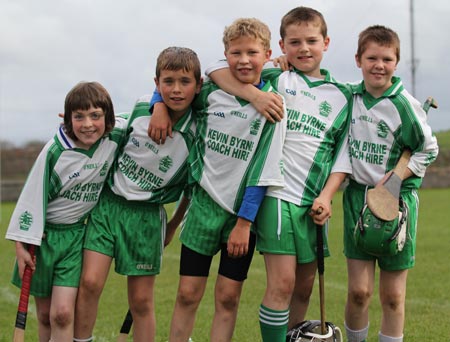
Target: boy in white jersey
{"points": [[385, 115], [238, 153], [129, 222], [318, 110], [61, 189]]}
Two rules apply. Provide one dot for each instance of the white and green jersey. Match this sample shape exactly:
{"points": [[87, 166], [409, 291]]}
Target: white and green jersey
{"points": [[235, 147], [146, 171], [317, 130], [382, 128], [64, 184]]}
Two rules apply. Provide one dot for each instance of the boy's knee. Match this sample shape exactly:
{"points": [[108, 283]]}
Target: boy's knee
{"points": [[188, 297], [141, 308], [44, 318], [393, 302], [90, 285], [282, 291], [62, 318], [359, 297], [228, 301]]}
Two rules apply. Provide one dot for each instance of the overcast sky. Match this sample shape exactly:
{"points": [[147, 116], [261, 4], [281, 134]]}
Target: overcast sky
{"points": [[46, 47]]}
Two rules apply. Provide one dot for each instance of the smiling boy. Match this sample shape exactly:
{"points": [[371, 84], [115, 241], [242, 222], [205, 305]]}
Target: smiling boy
{"points": [[237, 154], [318, 110], [129, 222], [385, 115]]}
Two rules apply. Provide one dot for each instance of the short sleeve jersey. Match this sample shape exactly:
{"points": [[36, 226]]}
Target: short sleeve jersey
{"points": [[146, 171], [318, 121], [235, 147], [382, 128], [64, 184]]}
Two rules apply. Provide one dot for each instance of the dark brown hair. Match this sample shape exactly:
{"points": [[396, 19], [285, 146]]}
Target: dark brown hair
{"points": [[380, 35], [83, 96], [178, 58], [302, 14]]}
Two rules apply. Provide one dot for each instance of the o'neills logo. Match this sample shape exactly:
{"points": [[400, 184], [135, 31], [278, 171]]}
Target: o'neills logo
{"points": [[25, 221], [144, 267]]}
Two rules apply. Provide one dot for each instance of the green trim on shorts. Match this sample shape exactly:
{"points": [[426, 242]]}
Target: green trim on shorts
{"points": [[288, 229], [353, 202]]}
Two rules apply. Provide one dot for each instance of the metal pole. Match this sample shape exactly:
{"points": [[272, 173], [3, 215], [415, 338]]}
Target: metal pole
{"points": [[413, 56]]}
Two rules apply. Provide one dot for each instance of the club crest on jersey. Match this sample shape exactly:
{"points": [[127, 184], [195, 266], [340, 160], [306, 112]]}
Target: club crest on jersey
{"points": [[325, 109], [165, 164], [25, 220], [255, 125], [382, 129]]}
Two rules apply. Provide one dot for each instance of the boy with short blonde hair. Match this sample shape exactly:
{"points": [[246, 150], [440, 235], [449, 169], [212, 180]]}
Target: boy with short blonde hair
{"points": [[318, 109], [237, 155]]}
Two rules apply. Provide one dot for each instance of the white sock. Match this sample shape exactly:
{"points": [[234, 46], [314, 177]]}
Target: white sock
{"points": [[384, 338], [89, 339], [356, 335]]}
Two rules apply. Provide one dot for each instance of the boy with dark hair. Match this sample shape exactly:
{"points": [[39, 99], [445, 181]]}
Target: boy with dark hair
{"points": [[129, 222], [61, 189], [387, 116], [237, 155]]}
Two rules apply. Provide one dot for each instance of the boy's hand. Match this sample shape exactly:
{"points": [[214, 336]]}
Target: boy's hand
{"points": [[170, 232], [237, 245], [160, 126], [24, 258], [320, 210], [269, 105], [282, 63], [385, 178]]}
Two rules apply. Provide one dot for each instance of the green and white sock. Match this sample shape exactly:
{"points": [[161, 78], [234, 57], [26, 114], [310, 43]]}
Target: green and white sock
{"points": [[89, 339], [273, 324]]}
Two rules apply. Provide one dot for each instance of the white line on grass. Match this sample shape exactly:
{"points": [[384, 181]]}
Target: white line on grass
{"points": [[11, 296]]}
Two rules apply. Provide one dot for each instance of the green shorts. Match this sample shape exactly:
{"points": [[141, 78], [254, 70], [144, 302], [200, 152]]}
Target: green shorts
{"points": [[285, 228], [131, 232], [353, 201], [206, 225], [58, 259]]}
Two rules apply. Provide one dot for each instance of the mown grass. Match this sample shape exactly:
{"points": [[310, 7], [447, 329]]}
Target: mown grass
{"points": [[427, 307]]}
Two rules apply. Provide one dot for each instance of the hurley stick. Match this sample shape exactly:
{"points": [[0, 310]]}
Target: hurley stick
{"points": [[21, 318], [383, 199]]}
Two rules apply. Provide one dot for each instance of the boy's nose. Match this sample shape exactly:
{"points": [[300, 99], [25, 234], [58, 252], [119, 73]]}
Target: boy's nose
{"points": [[243, 58]]}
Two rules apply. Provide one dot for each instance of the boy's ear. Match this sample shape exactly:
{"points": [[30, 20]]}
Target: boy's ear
{"points": [[326, 43], [199, 86], [156, 82], [281, 43], [268, 54], [357, 60]]}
